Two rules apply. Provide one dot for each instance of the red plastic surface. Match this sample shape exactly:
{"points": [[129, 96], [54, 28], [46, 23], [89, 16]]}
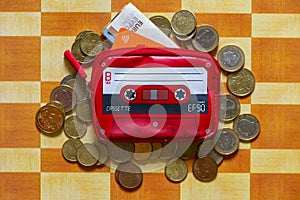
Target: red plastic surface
{"points": [[145, 127]]}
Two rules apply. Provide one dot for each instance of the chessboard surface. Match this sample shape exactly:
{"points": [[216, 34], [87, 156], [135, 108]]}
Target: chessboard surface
{"points": [[33, 37]]}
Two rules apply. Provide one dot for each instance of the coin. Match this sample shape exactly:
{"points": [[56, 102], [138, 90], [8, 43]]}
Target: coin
{"points": [[216, 156], [189, 45], [103, 153], [186, 37], [49, 119], [129, 176], [176, 170], [78, 54], [82, 34], [162, 23], [183, 22], [91, 44], [228, 142], [87, 155], [229, 107], [206, 39], [169, 150], [64, 94], [58, 105], [231, 58], [142, 151], [156, 150], [205, 169], [66, 78], [187, 150], [120, 152], [247, 126], [241, 83], [74, 128], [69, 149], [205, 147], [83, 110], [80, 88]]}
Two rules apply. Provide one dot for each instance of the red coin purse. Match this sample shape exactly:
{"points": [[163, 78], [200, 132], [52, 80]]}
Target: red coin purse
{"points": [[155, 95]]}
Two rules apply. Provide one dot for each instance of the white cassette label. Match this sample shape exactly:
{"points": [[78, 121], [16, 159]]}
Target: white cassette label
{"points": [[115, 78]]}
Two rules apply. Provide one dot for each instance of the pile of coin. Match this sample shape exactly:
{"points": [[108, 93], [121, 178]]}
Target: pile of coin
{"points": [[69, 110], [86, 46]]}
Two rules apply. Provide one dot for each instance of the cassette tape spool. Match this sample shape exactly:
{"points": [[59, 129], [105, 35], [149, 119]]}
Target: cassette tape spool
{"points": [[155, 95]]}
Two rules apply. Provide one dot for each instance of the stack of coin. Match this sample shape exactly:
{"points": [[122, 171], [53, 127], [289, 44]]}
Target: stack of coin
{"points": [[184, 25], [86, 46]]}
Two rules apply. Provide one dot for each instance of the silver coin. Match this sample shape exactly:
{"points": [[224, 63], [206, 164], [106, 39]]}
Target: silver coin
{"points": [[231, 58], [228, 142], [247, 126], [206, 39], [229, 107]]}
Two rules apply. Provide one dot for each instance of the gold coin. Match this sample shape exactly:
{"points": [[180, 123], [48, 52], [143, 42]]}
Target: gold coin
{"points": [[156, 150], [64, 94], [231, 58], [176, 170], [82, 34], [49, 119], [183, 23], [241, 83], [83, 110], [188, 150], [58, 105], [162, 23], [91, 44], [186, 38], [142, 151], [87, 155], [74, 128], [69, 149], [78, 54]]}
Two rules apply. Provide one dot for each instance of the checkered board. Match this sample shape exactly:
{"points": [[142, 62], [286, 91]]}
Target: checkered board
{"points": [[33, 37]]}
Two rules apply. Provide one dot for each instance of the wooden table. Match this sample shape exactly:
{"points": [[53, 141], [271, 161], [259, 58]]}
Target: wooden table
{"points": [[33, 36]]}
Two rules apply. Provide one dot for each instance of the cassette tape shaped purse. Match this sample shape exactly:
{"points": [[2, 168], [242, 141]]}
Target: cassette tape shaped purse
{"points": [[155, 95]]}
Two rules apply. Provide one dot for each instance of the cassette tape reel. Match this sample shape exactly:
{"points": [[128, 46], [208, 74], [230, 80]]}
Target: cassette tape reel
{"points": [[155, 95]]}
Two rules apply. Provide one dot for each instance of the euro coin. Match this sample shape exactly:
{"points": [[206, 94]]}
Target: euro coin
{"points": [[142, 151], [206, 38], [247, 126], [169, 150], [162, 23], [91, 44], [87, 155], [241, 83], [83, 110], [231, 58], [120, 152], [69, 149], [64, 94], [176, 170], [205, 169], [156, 150], [187, 150], [78, 54], [229, 107], [103, 153], [183, 23], [129, 176], [49, 119], [228, 142], [74, 128]]}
